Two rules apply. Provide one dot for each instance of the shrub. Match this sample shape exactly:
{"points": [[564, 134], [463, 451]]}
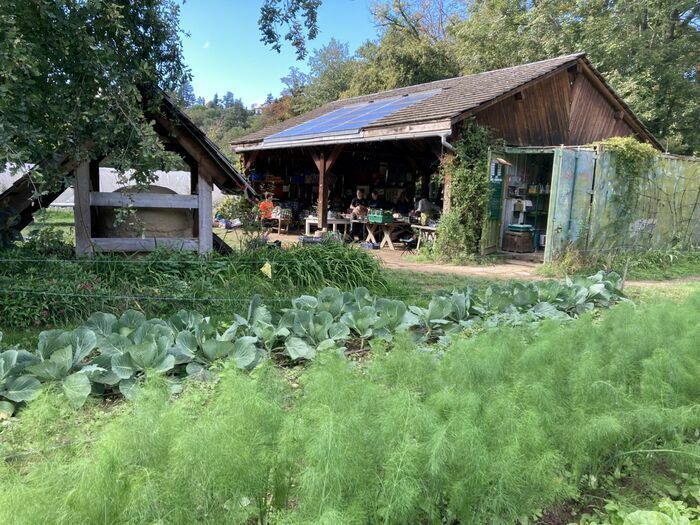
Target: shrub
{"points": [[468, 172]]}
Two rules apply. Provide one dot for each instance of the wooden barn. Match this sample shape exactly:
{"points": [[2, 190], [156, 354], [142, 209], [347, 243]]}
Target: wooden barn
{"points": [[207, 167], [546, 112]]}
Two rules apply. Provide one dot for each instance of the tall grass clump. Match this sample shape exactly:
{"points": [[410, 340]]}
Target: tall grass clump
{"points": [[492, 429], [43, 291]]}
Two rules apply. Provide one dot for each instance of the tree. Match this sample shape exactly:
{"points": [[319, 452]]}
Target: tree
{"points": [[228, 100], [185, 95], [214, 102], [294, 82], [76, 77], [332, 69], [432, 18], [409, 50], [297, 17], [648, 51], [200, 101]]}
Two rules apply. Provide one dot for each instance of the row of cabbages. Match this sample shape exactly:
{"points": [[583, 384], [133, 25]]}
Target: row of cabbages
{"points": [[117, 354]]}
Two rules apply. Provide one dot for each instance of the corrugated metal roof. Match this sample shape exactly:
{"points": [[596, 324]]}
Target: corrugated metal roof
{"points": [[456, 96]]}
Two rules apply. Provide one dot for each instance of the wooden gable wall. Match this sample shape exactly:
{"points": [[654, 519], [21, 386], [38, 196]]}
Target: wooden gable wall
{"points": [[540, 117], [564, 108], [592, 117]]}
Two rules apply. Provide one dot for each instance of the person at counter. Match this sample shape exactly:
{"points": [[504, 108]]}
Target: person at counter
{"points": [[358, 205], [403, 205], [266, 207], [358, 210], [427, 210]]}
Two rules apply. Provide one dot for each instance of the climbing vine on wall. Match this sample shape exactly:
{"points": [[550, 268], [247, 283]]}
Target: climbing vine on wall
{"points": [[633, 161], [460, 229]]}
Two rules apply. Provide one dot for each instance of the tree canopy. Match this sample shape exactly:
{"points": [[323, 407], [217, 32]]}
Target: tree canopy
{"points": [[77, 75]]}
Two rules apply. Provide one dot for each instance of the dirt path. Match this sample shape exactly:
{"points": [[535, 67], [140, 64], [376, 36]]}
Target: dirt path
{"points": [[507, 270]]}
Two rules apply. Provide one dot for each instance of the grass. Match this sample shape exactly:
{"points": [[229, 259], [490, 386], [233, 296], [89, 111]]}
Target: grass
{"points": [[47, 291], [653, 292], [651, 265], [418, 287], [496, 428]]}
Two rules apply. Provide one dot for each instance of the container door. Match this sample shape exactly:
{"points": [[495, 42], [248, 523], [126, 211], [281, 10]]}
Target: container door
{"points": [[490, 236], [573, 173]]}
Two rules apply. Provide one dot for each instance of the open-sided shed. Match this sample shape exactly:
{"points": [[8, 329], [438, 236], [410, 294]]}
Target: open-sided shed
{"points": [[394, 140], [207, 164]]}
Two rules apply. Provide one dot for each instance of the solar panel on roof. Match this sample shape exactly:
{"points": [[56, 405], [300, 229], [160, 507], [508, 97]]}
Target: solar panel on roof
{"points": [[350, 119]]}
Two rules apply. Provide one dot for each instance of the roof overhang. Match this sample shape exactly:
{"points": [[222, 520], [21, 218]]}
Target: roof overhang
{"points": [[439, 128]]}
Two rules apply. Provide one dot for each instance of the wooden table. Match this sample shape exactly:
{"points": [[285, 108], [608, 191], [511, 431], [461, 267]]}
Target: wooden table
{"points": [[387, 229], [425, 233], [331, 222]]}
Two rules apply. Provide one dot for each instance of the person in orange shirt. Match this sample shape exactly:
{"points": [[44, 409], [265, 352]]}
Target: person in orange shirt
{"points": [[266, 207]]}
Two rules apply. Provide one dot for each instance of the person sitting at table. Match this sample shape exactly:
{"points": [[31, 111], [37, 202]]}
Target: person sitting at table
{"points": [[358, 205], [403, 205], [375, 201], [266, 207], [426, 209], [358, 210]]}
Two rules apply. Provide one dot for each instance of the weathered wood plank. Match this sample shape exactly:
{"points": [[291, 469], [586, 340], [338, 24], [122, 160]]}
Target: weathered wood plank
{"points": [[81, 190], [143, 200], [593, 118], [124, 244], [539, 119], [204, 218]]}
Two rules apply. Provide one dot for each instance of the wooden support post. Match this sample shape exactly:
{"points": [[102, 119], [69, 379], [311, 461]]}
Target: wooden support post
{"points": [[447, 157], [425, 184], [81, 209], [194, 179], [204, 219], [94, 175], [322, 193], [249, 160], [94, 186], [324, 162]]}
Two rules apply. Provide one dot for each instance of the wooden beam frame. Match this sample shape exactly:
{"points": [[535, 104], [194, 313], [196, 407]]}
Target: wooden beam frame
{"points": [[143, 200], [149, 244], [81, 209], [249, 159], [87, 175], [204, 211]]}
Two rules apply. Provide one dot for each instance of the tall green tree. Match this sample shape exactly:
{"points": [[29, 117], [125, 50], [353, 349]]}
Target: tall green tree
{"points": [[229, 100], [332, 68], [76, 75], [648, 50], [185, 94], [409, 50]]}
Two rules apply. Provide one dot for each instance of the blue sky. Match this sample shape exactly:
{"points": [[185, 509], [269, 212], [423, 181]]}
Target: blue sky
{"points": [[225, 53]]}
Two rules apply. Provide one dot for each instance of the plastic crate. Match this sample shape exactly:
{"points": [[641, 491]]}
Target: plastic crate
{"points": [[370, 245], [380, 217]]}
